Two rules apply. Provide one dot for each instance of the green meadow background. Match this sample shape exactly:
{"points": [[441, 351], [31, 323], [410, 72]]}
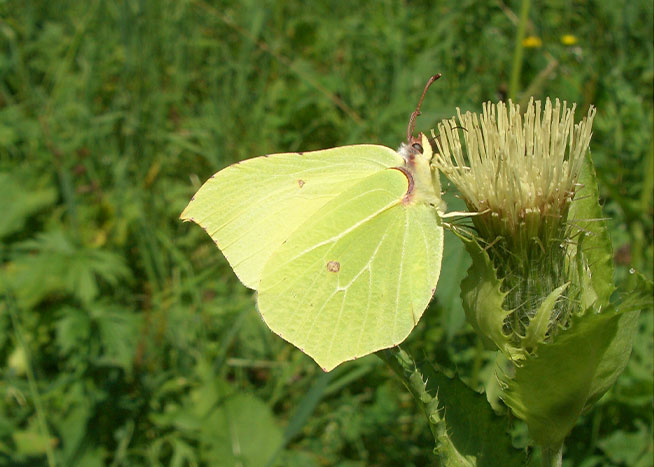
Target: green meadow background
{"points": [[125, 339]]}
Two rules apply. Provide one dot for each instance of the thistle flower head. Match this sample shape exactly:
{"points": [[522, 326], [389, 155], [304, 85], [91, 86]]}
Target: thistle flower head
{"points": [[541, 278], [519, 170], [518, 173]]}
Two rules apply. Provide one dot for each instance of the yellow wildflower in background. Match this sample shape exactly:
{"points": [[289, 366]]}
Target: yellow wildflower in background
{"points": [[568, 39], [532, 42]]}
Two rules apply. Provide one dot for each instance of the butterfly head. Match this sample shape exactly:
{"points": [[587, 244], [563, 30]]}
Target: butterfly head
{"points": [[417, 153], [417, 147], [417, 150]]}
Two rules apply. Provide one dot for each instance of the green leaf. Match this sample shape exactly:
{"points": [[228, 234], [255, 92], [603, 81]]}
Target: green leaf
{"points": [[617, 353], [475, 430], [118, 331], [114, 328], [73, 329], [621, 447], [53, 264], [183, 454], [448, 294], [539, 324], [588, 223], [72, 425], [243, 432], [31, 443], [551, 389], [482, 301], [20, 201]]}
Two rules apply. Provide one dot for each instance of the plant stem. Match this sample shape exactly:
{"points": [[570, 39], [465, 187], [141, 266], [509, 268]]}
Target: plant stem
{"points": [[416, 382], [552, 456], [517, 52], [466, 431], [404, 366]]}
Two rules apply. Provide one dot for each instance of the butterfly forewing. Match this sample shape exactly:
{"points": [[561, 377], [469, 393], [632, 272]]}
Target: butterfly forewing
{"points": [[249, 209]]}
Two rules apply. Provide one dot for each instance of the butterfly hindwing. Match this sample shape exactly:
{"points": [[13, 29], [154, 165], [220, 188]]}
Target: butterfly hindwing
{"points": [[356, 276]]}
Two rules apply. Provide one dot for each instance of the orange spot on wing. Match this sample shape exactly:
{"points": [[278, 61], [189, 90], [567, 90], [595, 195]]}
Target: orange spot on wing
{"points": [[333, 266]]}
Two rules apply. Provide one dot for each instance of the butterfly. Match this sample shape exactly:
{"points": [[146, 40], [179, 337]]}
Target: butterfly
{"points": [[343, 246]]}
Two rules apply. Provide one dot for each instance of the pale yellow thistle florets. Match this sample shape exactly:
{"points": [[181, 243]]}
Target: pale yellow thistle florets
{"points": [[515, 167], [518, 174]]}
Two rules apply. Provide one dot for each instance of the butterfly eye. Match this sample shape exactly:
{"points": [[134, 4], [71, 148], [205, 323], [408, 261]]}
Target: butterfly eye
{"points": [[417, 147]]}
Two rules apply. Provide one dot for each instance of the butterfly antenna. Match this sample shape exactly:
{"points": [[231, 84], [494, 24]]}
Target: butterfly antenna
{"points": [[414, 115]]}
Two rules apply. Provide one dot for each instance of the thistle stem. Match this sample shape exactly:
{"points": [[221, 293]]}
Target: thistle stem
{"points": [[466, 431], [552, 456], [415, 379], [405, 368]]}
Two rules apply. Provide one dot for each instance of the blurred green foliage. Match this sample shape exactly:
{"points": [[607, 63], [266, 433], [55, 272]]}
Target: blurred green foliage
{"points": [[124, 337]]}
